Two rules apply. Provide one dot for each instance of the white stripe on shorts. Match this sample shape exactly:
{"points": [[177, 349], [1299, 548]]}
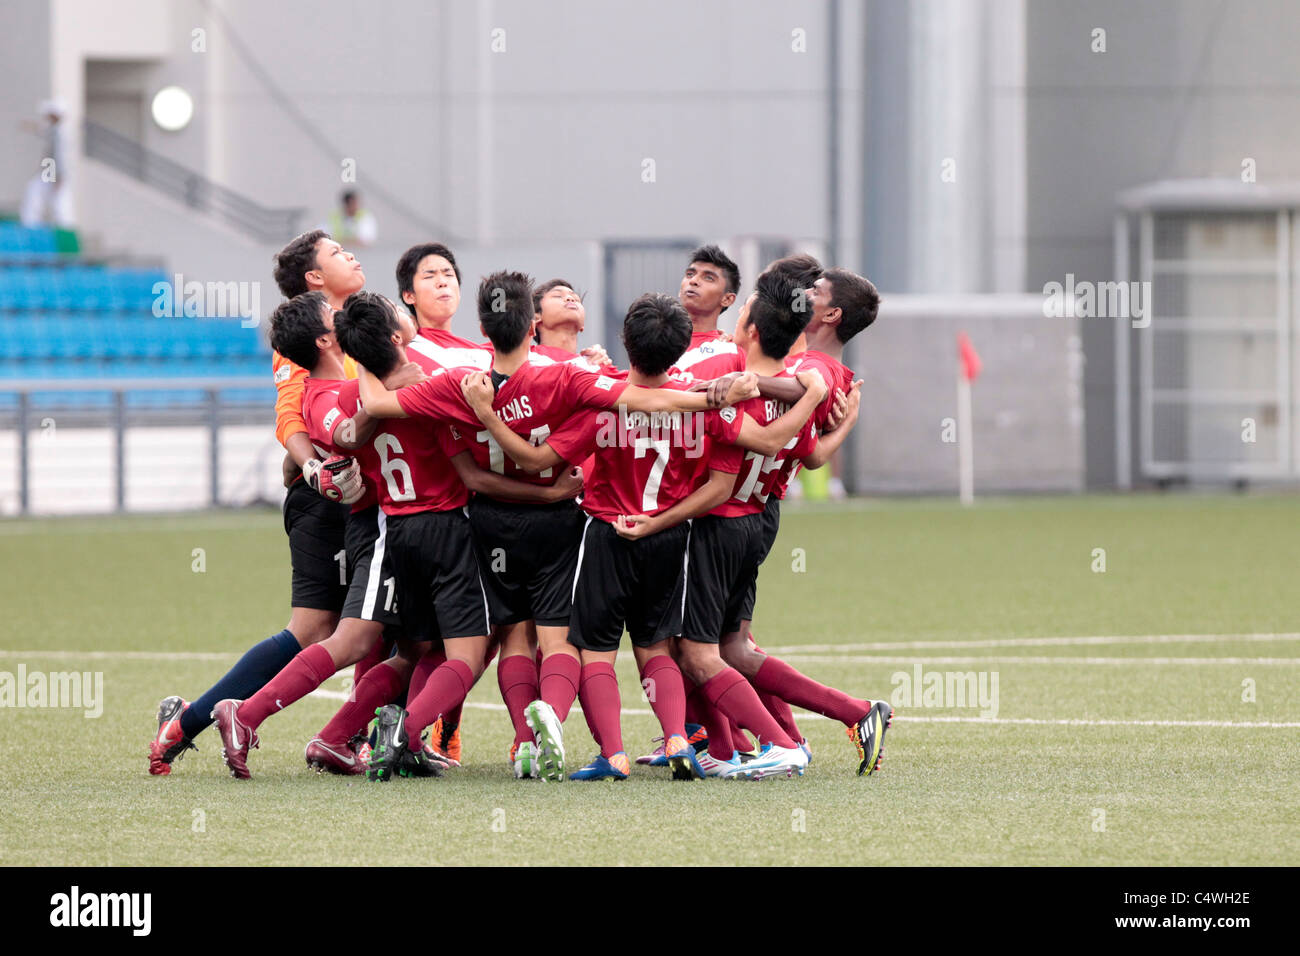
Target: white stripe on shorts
{"points": [[376, 568], [582, 546]]}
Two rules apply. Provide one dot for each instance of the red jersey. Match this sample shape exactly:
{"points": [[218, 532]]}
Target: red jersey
{"points": [[415, 472], [554, 353], [326, 403], [645, 464], [708, 357], [758, 475], [837, 375], [538, 403]]}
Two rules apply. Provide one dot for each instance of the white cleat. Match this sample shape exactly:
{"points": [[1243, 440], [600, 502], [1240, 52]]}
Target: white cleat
{"points": [[713, 767], [774, 761], [549, 735]]}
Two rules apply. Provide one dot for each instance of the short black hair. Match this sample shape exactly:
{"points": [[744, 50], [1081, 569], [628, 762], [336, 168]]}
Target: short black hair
{"points": [[714, 256], [801, 267], [295, 260], [296, 324], [410, 261], [348, 195], [779, 313], [656, 331], [364, 329], [505, 308], [857, 300]]}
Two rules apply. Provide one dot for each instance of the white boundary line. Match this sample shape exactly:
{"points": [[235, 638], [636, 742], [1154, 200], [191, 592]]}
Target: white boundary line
{"points": [[889, 658], [1035, 642]]}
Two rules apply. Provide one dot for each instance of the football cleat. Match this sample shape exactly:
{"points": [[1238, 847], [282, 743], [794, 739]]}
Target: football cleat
{"points": [[549, 738], [170, 743], [417, 763], [524, 759], [446, 743], [681, 757], [713, 767], [602, 768], [237, 739], [654, 758], [343, 760], [807, 750], [390, 743], [774, 761], [869, 736]]}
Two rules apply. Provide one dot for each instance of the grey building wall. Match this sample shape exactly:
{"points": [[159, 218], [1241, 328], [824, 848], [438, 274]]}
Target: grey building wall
{"points": [[1185, 88], [25, 80]]}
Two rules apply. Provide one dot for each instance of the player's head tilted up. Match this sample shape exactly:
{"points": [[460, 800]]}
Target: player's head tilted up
{"points": [[656, 330], [843, 304], [774, 316], [557, 312], [315, 262], [302, 328], [505, 309], [428, 281], [709, 286], [372, 330]]}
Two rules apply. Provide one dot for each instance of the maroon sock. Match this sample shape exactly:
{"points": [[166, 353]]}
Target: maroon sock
{"points": [[777, 677], [311, 667], [560, 674], [425, 666], [718, 727], [445, 688], [451, 719], [517, 678], [662, 681], [738, 738], [379, 653], [782, 713], [730, 693], [380, 686], [601, 704], [696, 705]]}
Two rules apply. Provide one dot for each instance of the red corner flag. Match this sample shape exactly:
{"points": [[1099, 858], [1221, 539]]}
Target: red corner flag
{"points": [[970, 360]]}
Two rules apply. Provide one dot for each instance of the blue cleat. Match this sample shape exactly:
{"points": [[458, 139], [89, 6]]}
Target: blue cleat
{"points": [[613, 768]]}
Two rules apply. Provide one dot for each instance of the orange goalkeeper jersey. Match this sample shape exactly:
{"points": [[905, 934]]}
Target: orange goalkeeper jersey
{"points": [[290, 381]]}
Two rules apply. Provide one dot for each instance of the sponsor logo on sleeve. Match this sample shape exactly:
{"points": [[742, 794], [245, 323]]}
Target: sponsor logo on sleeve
{"points": [[282, 373], [331, 418], [605, 382]]}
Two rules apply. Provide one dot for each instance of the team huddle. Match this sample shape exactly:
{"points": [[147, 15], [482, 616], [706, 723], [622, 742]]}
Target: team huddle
{"points": [[451, 503]]}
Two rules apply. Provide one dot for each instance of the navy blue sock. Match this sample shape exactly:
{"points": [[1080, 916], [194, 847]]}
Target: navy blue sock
{"points": [[259, 664]]}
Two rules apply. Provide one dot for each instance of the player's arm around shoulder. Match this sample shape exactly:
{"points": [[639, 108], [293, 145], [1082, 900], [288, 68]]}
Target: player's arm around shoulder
{"points": [[770, 439], [829, 442], [479, 392]]}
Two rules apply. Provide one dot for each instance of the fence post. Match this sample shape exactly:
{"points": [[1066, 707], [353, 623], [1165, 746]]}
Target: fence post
{"points": [[214, 444], [119, 426], [24, 466]]}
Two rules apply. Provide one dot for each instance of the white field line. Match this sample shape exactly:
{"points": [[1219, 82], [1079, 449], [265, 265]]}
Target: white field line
{"points": [[1034, 642], [1065, 721]]}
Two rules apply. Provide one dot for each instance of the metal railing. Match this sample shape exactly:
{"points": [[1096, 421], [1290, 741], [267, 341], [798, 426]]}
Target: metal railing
{"points": [[208, 413], [185, 185]]}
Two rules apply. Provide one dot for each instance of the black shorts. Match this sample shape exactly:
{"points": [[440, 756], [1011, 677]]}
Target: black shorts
{"points": [[771, 515], [315, 526], [722, 559], [618, 582], [437, 577], [526, 558], [372, 587]]}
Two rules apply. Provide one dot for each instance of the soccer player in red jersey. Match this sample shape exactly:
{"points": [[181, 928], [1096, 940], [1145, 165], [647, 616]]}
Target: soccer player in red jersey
{"points": [[302, 329], [558, 319], [312, 261], [766, 329]]}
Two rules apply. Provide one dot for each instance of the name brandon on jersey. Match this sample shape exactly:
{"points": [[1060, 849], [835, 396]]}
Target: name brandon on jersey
{"points": [[686, 430]]}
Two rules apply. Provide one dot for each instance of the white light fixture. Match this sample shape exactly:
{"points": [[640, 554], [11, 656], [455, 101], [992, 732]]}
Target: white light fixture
{"points": [[172, 108]]}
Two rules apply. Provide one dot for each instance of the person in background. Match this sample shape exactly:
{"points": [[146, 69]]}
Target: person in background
{"points": [[350, 224], [48, 196]]}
